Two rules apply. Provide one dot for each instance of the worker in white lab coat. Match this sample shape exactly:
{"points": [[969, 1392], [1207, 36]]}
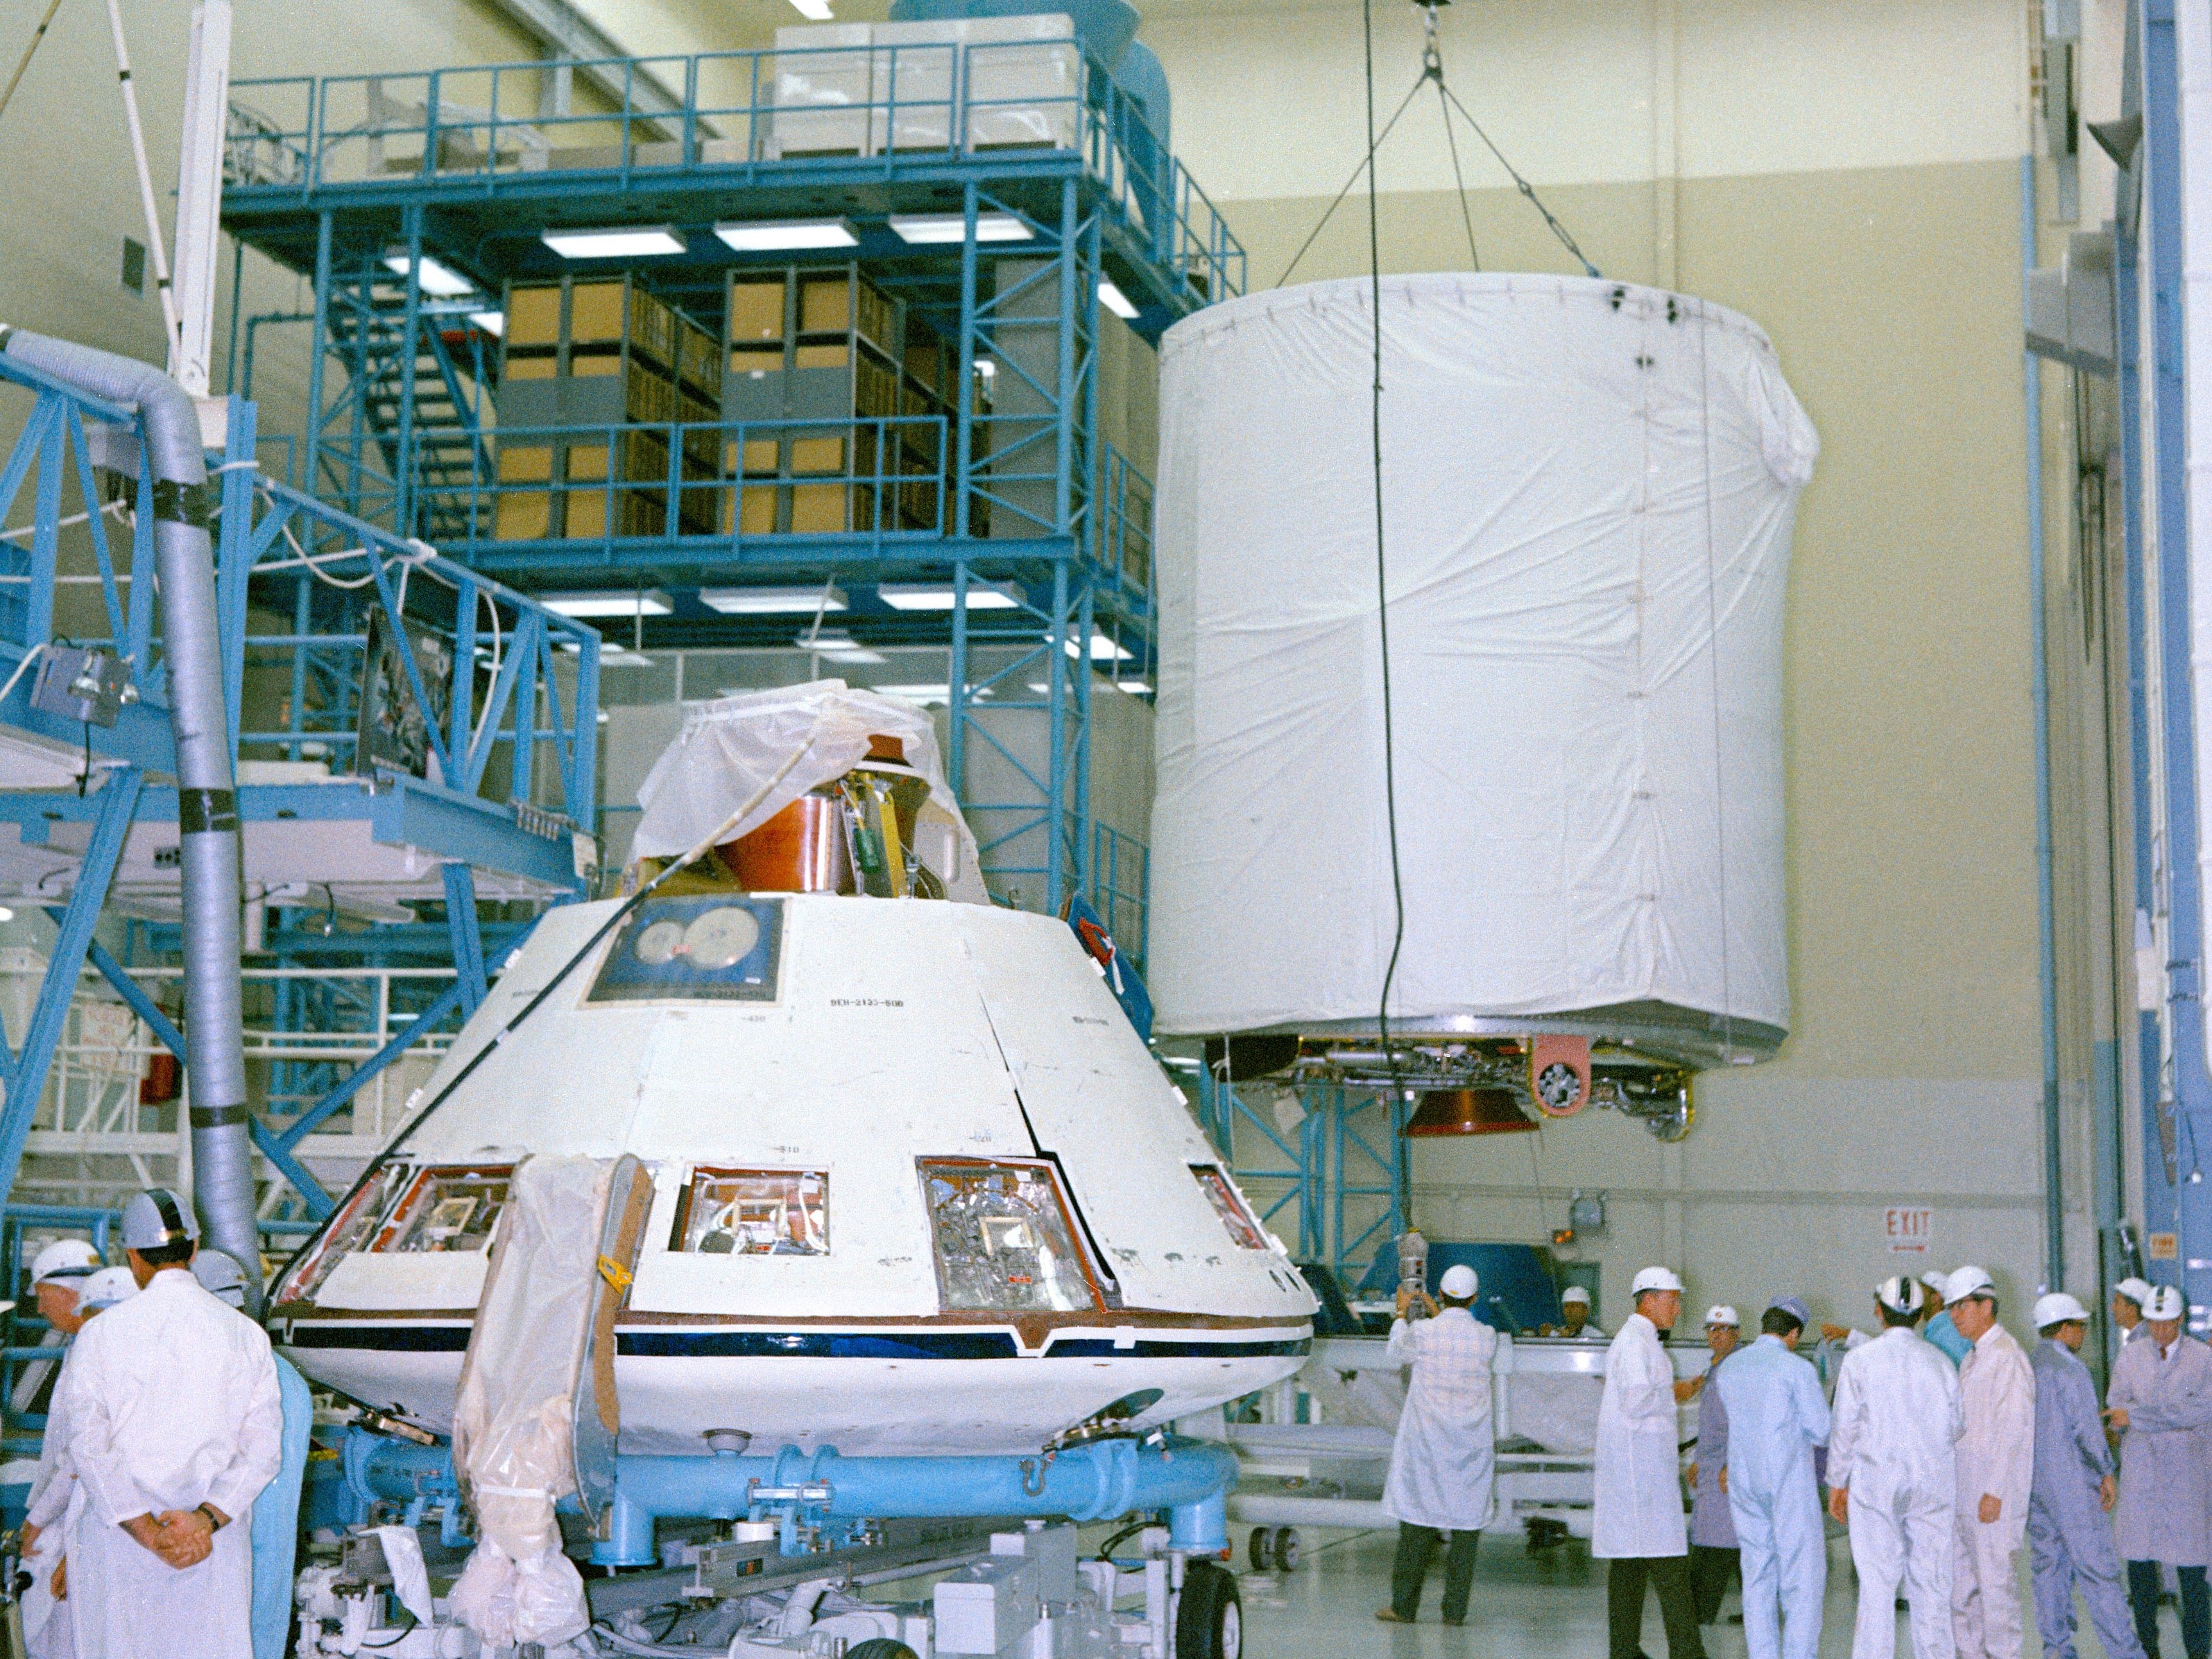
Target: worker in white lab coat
{"points": [[1996, 1464], [275, 1529], [55, 1498], [1637, 1524], [2161, 1400], [175, 1424], [2128, 1299], [1777, 1415], [1439, 1484], [1574, 1316], [1892, 1446], [2069, 1532]]}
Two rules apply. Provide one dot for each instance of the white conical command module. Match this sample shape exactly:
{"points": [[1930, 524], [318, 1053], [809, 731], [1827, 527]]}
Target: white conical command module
{"points": [[916, 1186]]}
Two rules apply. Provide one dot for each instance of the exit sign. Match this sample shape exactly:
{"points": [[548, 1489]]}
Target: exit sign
{"points": [[1907, 1229]]}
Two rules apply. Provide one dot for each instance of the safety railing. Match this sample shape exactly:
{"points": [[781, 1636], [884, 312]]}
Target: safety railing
{"points": [[878, 477], [1125, 550], [1121, 888], [888, 108]]}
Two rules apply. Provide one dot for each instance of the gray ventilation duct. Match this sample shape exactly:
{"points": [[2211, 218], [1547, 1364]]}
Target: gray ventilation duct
{"points": [[207, 808]]}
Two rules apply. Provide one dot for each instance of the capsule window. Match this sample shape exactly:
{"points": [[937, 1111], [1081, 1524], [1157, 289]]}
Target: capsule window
{"points": [[753, 1213], [399, 1209], [1004, 1238], [1229, 1203]]}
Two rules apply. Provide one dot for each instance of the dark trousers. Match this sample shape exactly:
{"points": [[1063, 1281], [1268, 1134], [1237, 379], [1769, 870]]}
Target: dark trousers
{"points": [[1711, 1568], [2196, 1608], [1416, 1545], [1625, 1579]]}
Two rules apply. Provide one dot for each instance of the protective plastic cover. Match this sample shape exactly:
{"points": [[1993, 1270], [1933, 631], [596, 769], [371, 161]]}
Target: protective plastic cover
{"points": [[512, 1419], [729, 748], [1589, 491]]}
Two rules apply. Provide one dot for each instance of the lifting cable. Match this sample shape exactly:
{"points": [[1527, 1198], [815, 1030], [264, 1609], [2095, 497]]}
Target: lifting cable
{"points": [[1432, 69]]}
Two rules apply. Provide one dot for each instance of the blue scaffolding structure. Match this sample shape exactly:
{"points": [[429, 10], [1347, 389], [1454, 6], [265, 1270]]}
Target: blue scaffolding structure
{"points": [[497, 684], [365, 182]]}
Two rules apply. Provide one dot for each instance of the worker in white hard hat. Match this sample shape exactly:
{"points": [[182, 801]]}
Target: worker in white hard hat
{"points": [[276, 1512], [2069, 1535], [1440, 1482], [54, 1499], [2128, 1299], [1996, 1461], [1893, 1448], [1575, 1315], [1941, 1329], [175, 1424], [1713, 1557], [1778, 1414], [1636, 1517], [2160, 1399], [57, 1273]]}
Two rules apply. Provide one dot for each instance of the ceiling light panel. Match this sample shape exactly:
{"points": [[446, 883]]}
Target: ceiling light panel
{"points": [[786, 235], [772, 601], [618, 242], [925, 228], [650, 603]]}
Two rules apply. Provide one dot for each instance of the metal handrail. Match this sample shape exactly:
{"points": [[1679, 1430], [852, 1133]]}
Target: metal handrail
{"points": [[742, 111]]}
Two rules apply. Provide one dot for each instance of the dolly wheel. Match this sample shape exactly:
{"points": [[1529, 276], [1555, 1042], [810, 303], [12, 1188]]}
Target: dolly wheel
{"points": [[1208, 1622], [880, 1647], [1287, 1549], [1262, 1550]]}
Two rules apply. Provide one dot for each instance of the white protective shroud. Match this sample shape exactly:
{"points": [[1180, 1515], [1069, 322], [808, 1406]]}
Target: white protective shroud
{"points": [[728, 749], [1590, 490]]}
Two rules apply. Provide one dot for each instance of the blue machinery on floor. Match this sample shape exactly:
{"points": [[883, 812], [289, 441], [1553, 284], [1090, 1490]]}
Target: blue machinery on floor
{"points": [[810, 1493]]}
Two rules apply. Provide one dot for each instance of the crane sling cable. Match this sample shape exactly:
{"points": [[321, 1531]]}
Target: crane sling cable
{"points": [[37, 35], [1432, 70]]}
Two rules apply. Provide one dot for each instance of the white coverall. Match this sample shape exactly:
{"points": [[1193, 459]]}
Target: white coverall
{"points": [[172, 1402], [1637, 1487], [1996, 1456], [1776, 1414], [1892, 1445], [1440, 1463]]}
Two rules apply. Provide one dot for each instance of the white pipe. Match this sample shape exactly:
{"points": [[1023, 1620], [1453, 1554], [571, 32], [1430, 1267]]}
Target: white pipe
{"points": [[199, 192], [154, 243]]}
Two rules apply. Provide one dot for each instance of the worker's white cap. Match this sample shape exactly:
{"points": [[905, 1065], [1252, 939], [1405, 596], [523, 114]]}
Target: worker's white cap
{"points": [[105, 1288], [2137, 1290], [2164, 1303], [1935, 1282], [1654, 1279], [1459, 1282], [157, 1218], [2058, 1308], [1966, 1282], [1901, 1295], [63, 1259], [221, 1276], [1574, 1293], [1721, 1313]]}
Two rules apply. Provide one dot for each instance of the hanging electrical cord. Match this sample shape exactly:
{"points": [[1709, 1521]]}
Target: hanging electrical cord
{"points": [[1713, 647], [1404, 1196]]}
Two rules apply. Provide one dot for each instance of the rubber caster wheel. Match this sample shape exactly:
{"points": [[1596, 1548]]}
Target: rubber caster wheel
{"points": [[1288, 1550], [1261, 1551], [880, 1647], [1209, 1623]]}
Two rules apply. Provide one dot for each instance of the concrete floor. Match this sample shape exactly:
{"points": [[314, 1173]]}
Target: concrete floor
{"points": [[1524, 1607]]}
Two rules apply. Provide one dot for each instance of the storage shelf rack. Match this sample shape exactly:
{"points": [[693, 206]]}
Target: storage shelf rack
{"points": [[998, 217]]}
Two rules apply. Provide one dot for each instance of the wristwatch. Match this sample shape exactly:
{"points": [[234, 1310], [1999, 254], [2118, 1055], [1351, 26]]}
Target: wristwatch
{"points": [[216, 1522]]}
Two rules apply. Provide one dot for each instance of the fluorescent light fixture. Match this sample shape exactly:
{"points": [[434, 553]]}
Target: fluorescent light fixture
{"points": [[610, 656], [616, 242], [930, 227], [439, 280], [938, 596], [914, 693], [781, 235], [493, 323], [1114, 300], [650, 603], [771, 601], [1134, 687], [1102, 650], [836, 644], [815, 11]]}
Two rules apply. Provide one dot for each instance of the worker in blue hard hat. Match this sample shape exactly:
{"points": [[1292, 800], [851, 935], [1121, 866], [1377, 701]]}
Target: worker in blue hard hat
{"points": [[1440, 1484], [175, 1425], [1777, 1416]]}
